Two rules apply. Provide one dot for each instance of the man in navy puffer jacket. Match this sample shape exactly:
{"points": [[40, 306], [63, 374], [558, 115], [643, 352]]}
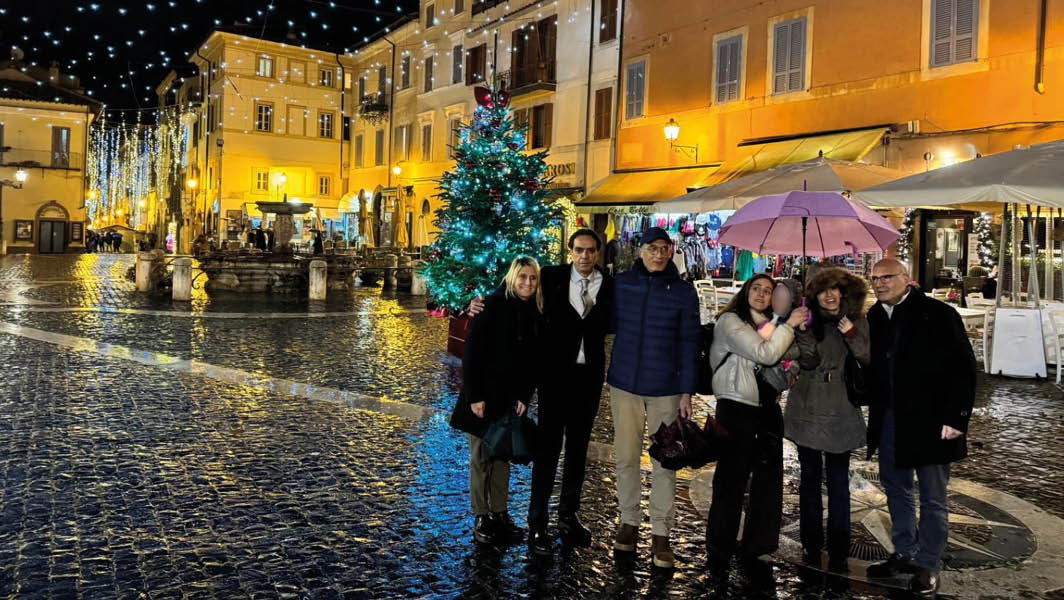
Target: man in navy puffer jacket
{"points": [[652, 375]]}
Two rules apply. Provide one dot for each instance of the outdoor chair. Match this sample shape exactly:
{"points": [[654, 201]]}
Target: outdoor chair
{"points": [[708, 300], [1055, 339], [940, 294]]}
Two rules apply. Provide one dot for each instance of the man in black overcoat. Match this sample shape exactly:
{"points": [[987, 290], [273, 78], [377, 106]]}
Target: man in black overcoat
{"points": [[923, 378]]}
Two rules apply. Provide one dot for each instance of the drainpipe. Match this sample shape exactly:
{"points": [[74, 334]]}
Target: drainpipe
{"points": [[1039, 69], [587, 103], [391, 113], [84, 170], [343, 92], [207, 132], [620, 85]]}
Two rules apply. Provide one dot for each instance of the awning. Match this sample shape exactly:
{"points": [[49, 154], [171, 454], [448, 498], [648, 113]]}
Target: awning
{"points": [[641, 188], [753, 156], [328, 214], [348, 203], [252, 210]]}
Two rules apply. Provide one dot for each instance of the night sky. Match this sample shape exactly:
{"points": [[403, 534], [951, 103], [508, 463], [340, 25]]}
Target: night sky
{"points": [[122, 50]]}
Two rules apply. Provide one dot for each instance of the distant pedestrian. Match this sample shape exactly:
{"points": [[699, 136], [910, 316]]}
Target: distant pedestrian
{"points": [[260, 239], [499, 377], [271, 239], [613, 253], [820, 418], [653, 372], [319, 243], [923, 384], [116, 241]]}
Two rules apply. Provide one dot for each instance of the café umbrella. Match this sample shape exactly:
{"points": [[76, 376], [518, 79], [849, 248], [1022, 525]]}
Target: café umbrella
{"points": [[808, 224]]}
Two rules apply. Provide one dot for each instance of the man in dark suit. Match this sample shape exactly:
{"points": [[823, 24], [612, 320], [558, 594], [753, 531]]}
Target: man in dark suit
{"points": [[577, 310], [923, 377]]}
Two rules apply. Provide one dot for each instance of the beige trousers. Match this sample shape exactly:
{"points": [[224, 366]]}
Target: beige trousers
{"points": [[632, 416], [489, 480]]}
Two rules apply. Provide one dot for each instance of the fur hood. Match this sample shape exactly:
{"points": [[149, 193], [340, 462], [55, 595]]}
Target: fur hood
{"points": [[854, 290]]}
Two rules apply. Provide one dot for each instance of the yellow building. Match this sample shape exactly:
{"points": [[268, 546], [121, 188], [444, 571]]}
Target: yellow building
{"points": [[268, 126], [44, 118], [414, 85]]}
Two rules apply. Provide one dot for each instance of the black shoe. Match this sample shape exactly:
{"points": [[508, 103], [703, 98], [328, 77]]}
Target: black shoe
{"points": [[573, 531], [895, 565], [506, 531], [811, 558], [838, 564], [484, 529], [539, 542], [924, 583]]}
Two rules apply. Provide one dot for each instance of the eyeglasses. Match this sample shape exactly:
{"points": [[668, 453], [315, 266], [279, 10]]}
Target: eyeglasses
{"points": [[657, 249], [883, 278]]}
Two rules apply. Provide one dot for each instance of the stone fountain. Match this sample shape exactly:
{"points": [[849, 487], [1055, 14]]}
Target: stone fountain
{"points": [[284, 226]]}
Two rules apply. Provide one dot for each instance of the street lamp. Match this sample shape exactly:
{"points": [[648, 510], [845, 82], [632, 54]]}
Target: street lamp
{"points": [[397, 170], [21, 176], [672, 133]]}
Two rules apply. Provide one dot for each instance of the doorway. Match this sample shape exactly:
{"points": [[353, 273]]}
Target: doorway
{"points": [[52, 237]]}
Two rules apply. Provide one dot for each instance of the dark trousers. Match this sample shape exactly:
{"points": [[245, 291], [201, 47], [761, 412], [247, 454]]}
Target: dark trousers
{"points": [[564, 413], [753, 452], [923, 544], [811, 504]]}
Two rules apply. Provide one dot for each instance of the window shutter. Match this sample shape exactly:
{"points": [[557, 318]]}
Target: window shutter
{"points": [[964, 31], [779, 58], [729, 54], [456, 64], [941, 32], [796, 69], [548, 127]]}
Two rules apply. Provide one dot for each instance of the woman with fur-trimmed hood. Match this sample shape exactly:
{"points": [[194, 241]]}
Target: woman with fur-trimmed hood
{"points": [[819, 417]]}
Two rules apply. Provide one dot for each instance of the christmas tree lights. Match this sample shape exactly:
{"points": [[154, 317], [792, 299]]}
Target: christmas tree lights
{"points": [[494, 207]]}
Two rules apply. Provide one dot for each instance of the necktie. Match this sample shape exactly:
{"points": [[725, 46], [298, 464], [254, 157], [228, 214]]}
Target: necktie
{"points": [[588, 302]]}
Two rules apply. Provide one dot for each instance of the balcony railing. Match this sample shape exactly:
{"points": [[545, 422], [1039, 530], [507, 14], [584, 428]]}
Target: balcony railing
{"points": [[523, 79], [374, 107], [38, 159], [480, 6]]}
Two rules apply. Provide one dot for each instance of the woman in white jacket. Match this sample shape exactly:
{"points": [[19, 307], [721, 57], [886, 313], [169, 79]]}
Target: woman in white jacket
{"points": [[747, 409]]}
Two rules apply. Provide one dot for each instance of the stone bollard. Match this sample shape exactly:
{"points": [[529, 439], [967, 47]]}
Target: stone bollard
{"points": [[391, 262], [144, 265], [318, 278], [418, 285], [183, 279]]}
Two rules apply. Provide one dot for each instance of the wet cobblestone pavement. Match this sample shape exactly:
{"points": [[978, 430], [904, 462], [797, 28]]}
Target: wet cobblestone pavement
{"points": [[126, 480]]}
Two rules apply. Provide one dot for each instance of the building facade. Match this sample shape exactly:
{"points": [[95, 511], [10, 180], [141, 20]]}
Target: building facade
{"points": [[911, 85], [414, 85], [44, 121], [267, 126]]}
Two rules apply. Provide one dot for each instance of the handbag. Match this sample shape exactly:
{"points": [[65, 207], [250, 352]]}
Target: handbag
{"points": [[682, 443], [856, 380], [510, 438]]}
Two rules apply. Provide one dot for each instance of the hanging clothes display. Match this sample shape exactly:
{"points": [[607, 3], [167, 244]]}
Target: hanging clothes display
{"points": [[744, 265]]}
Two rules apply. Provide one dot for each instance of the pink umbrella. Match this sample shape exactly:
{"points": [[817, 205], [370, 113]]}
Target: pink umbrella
{"points": [[808, 224]]}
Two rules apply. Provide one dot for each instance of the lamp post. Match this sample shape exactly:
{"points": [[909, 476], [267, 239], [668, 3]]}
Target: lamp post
{"points": [[20, 178], [672, 133], [192, 183]]}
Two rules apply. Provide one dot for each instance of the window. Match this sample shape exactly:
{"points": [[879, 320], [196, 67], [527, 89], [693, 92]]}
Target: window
{"points": [[265, 66], [326, 77], [729, 66], [358, 151], [347, 80], [428, 74], [361, 89], [61, 147], [635, 90], [297, 71], [430, 15], [325, 125], [382, 82], [542, 125], [603, 110], [788, 60], [378, 151], [263, 117], [262, 180], [426, 142], [456, 64], [454, 126], [476, 64], [402, 142], [953, 31], [347, 128], [533, 53], [608, 21], [459, 6], [404, 74], [324, 185], [210, 117]]}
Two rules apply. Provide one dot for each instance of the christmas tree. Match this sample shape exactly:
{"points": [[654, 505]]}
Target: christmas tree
{"points": [[987, 245], [494, 207]]}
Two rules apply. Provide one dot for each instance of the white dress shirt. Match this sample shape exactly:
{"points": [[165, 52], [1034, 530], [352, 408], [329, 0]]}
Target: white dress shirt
{"points": [[577, 301], [890, 307]]}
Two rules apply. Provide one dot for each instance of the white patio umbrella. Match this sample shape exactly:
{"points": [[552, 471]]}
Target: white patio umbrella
{"points": [[816, 175]]}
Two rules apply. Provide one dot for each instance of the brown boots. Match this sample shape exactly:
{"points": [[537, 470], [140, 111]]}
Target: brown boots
{"points": [[662, 553], [626, 538]]}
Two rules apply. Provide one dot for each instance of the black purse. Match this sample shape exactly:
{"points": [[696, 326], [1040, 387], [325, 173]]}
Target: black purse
{"points": [[857, 389]]}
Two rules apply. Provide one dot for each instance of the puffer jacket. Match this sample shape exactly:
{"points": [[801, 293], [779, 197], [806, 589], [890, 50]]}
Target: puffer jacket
{"points": [[735, 378], [656, 319]]}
